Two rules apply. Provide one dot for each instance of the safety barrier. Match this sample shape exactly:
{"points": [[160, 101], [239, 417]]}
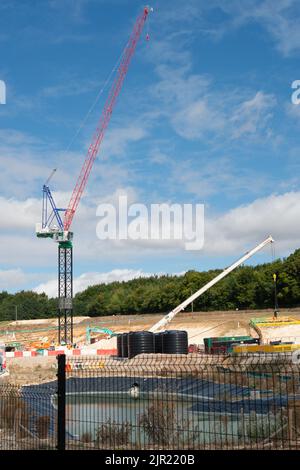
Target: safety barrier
{"points": [[269, 321], [267, 348], [67, 352]]}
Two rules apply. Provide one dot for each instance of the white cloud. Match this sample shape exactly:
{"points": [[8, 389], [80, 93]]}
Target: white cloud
{"points": [[178, 85], [16, 138], [224, 234], [16, 214], [12, 278], [198, 109], [72, 86], [166, 51], [89, 279], [158, 157], [293, 111], [210, 117], [252, 115], [195, 108], [23, 171], [232, 232], [204, 177], [228, 234], [280, 19], [198, 119], [117, 139]]}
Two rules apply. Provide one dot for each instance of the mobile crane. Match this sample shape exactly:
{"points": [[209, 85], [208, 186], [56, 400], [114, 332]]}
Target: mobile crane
{"points": [[166, 319]]}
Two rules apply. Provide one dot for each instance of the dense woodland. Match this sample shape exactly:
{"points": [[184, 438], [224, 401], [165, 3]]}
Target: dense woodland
{"points": [[249, 287]]}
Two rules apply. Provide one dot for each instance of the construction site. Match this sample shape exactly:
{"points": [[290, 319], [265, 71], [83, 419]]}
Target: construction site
{"points": [[234, 332], [32, 345], [116, 344]]}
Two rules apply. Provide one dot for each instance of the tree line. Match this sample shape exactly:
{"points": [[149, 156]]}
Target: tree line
{"points": [[248, 287]]}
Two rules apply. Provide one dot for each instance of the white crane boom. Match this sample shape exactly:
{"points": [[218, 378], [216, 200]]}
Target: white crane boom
{"points": [[166, 319]]}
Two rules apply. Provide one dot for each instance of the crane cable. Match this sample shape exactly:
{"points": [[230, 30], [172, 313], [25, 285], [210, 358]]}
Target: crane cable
{"points": [[101, 91], [114, 69], [148, 29], [107, 81], [84, 121]]}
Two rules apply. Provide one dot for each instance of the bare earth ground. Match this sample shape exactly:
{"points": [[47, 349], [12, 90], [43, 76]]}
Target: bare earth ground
{"points": [[30, 370], [198, 325]]}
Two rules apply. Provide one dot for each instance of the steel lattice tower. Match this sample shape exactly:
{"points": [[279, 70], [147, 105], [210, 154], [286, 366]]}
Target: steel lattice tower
{"points": [[65, 292]]}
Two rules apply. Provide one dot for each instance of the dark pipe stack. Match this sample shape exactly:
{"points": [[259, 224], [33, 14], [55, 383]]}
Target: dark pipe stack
{"points": [[140, 342], [125, 344], [175, 342], [119, 345], [144, 342], [158, 342]]}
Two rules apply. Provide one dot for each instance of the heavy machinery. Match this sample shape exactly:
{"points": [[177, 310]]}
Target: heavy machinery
{"points": [[40, 344], [225, 344], [95, 329], [166, 319], [13, 346], [58, 228]]}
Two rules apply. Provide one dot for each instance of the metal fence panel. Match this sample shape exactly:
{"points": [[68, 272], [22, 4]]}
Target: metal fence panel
{"points": [[27, 417], [158, 402], [183, 402]]}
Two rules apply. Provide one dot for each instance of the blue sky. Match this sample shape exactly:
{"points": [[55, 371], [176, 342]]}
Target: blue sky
{"points": [[205, 116]]}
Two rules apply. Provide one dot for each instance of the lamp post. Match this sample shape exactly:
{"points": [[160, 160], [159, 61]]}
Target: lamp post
{"points": [[16, 313], [276, 308]]}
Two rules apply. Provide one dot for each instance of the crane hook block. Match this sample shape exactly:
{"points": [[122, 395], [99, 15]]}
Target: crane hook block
{"points": [[148, 10]]}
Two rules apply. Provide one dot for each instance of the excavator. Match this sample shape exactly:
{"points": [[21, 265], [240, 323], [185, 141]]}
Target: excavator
{"points": [[105, 331]]}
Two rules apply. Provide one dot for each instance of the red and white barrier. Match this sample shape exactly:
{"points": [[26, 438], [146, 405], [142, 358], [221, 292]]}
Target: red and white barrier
{"points": [[67, 352]]}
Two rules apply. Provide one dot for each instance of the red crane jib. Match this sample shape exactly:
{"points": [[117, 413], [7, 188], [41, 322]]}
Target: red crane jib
{"points": [[104, 120]]}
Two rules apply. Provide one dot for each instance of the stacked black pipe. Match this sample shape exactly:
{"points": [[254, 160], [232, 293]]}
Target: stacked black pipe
{"points": [[125, 345], [119, 345], [144, 342], [175, 342], [140, 342], [158, 342]]}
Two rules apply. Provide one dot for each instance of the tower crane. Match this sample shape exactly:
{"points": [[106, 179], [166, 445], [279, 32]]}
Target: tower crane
{"points": [[167, 318], [58, 227]]}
